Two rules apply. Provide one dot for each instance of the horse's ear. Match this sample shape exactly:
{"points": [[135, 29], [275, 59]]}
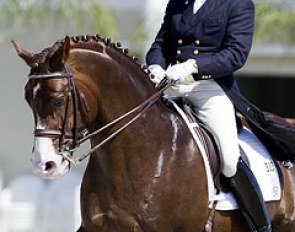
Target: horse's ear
{"points": [[61, 55], [67, 47], [26, 56]]}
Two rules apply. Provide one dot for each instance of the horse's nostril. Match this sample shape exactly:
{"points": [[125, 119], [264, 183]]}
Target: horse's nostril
{"points": [[49, 166]]}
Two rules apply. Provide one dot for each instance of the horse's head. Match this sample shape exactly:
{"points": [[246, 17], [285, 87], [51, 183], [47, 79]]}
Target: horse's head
{"points": [[107, 84], [51, 94]]}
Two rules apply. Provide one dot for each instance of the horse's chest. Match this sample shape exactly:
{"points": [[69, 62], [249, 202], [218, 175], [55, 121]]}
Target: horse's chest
{"points": [[93, 210]]}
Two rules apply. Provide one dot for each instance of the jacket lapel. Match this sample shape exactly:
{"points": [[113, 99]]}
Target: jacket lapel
{"points": [[190, 20], [188, 12]]}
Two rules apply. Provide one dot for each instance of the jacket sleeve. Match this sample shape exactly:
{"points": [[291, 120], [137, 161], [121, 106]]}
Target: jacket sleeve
{"points": [[159, 50], [236, 43]]}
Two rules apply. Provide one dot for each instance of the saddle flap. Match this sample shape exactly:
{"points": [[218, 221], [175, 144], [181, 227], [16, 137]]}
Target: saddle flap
{"points": [[209, 142]]}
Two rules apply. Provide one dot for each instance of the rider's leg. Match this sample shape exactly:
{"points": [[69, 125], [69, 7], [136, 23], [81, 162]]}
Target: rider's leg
{"points": [[216, 111], [247, 193]]}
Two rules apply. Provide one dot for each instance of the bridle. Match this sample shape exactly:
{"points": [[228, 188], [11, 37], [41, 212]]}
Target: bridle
{"points": [[66, 138], [69, 141]]}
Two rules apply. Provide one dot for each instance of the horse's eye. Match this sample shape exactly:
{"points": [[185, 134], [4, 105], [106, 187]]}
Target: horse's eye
{"points": [[58, 102]]}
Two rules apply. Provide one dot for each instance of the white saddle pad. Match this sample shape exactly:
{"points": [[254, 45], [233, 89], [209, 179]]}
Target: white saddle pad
{"points": [[263, 167], [261, 163]]}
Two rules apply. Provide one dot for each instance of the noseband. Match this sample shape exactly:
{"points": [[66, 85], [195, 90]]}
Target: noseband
{"points": [[70, 140], [67, 139]]}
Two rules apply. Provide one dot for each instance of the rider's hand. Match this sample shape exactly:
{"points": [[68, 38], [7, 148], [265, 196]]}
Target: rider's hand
{"points": [[183, 72], [157, 73]]}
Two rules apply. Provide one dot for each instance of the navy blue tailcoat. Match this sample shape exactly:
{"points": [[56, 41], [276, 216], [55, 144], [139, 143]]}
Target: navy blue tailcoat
{"points": [[219, 37]]}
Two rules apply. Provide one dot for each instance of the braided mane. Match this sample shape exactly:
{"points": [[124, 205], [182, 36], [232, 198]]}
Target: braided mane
{"points": [[89, 41]]}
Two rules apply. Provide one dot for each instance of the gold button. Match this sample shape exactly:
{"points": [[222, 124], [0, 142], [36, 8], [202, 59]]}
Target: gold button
{"points": [[196, 52], [186, 2], [177, 62], [197, 42], [180, 41], [206, 77], [178, 52]]}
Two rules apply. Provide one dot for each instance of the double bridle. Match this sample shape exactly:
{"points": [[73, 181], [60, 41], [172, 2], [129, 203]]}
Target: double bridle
{"points": [[69, 141]]}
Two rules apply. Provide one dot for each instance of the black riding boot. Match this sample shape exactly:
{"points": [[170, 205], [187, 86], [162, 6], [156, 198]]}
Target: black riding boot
{"points": [[247, 192]]}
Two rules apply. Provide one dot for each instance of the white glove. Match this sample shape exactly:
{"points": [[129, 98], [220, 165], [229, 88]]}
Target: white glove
{"points": [[183, 72], [157, 73]]}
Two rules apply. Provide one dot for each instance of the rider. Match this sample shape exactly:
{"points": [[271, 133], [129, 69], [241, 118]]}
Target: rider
{"points": [[200, 44]]}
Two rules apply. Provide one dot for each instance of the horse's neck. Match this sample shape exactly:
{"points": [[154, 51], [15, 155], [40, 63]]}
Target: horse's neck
{"points": [[155, 145], [117, 83]]}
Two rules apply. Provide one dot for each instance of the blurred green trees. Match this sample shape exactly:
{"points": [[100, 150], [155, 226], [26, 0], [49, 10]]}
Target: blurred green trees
{"points": [[73, 16], [275, 23]]}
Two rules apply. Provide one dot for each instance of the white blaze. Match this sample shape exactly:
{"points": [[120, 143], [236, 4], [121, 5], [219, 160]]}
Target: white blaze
{"points": [[46, 161]]}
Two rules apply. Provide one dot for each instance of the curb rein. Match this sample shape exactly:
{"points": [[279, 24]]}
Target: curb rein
{"points": [[70, 141]]}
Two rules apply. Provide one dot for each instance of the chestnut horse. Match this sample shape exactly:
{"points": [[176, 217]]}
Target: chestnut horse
{"points": [[149, 177]]}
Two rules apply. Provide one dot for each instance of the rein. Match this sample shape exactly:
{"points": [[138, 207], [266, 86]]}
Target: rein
{"points": [[69, 141], [141, 109]]}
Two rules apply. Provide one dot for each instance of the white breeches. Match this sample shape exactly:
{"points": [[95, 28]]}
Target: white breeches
{"points": [[217, 112]]}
